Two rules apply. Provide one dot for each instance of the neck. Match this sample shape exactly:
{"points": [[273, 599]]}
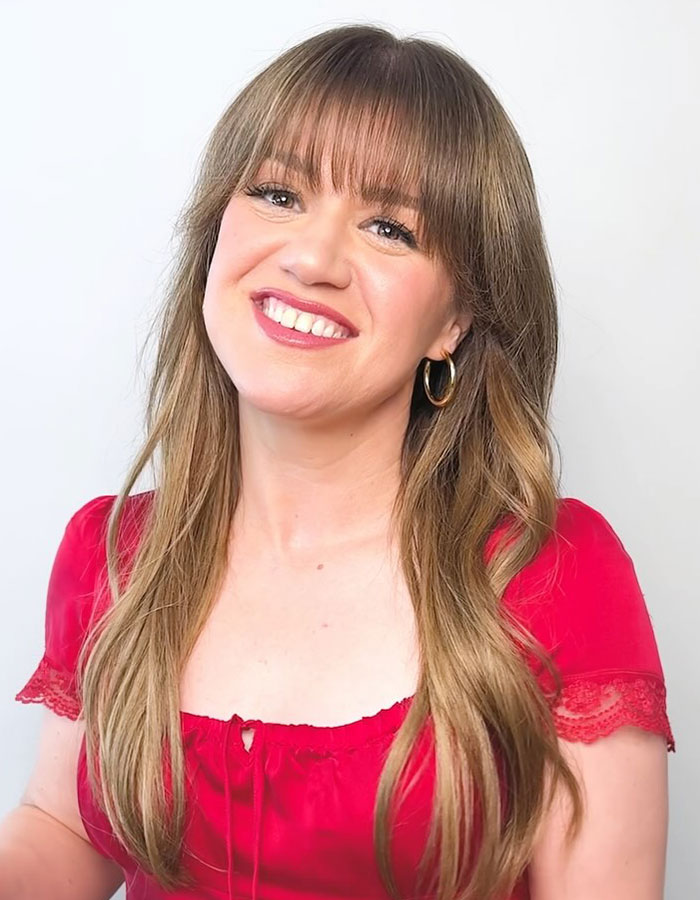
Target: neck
{"points": [[306, 488]]}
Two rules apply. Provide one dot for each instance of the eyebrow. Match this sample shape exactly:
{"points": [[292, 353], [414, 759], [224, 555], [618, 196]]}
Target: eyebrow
{"points": [[375, 194]]}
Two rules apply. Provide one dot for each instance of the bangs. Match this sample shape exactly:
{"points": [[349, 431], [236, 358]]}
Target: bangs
{"points": [[379, 146]]}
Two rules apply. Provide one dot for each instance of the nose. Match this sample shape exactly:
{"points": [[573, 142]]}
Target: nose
{"points": [[317, 249]]}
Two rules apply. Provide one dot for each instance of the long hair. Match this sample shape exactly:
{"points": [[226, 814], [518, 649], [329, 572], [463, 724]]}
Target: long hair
{"points": [[485, 458]]}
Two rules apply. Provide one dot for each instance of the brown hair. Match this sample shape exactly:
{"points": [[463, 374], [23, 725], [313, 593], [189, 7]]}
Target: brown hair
{"points": [[487, 457]]}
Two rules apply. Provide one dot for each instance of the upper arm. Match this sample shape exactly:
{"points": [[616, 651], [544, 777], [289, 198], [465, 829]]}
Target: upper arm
{"points": [[582, 600], [49, 804], [69, 607], [620, 852], [52, 788], [52, 785]]}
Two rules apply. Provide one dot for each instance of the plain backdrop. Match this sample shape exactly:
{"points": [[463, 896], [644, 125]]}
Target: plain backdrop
{"points": [[105, 112]]}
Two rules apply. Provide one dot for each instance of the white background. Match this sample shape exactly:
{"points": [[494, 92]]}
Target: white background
{"points": [[105, 112]]}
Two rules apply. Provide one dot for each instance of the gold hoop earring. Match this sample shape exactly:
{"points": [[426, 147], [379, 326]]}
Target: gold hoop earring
{"points": [[447, 396]]}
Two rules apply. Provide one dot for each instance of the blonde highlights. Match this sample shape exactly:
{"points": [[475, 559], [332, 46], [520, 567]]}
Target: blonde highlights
{"points": [[487, 458]]}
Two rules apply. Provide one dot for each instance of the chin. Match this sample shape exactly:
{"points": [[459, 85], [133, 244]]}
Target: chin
{"points": [[286, 401]]}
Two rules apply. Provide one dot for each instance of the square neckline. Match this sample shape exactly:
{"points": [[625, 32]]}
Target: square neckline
{"points": [[304, 735]]}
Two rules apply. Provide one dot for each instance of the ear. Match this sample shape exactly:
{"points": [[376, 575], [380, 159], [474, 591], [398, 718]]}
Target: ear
{"points": [[451, 336]]}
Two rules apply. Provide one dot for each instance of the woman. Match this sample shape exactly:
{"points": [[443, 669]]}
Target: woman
{"points": [[355, 501]]}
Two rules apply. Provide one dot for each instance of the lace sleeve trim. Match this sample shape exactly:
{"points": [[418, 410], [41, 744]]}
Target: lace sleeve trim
{"points": [[590, 707], [52, 687]]}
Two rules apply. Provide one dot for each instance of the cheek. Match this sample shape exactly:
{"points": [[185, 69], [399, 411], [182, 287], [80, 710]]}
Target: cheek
{"points": [[406, 305], [234, 254], [240, 244]]}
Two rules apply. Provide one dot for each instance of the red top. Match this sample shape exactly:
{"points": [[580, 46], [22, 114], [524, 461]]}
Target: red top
{"points": [[292, 817]]}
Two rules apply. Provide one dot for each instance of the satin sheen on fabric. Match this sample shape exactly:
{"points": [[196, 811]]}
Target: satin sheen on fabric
{"points": [[291, 817]]}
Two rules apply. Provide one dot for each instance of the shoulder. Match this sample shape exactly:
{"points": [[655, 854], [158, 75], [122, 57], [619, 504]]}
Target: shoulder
{"points": [[73, 602], [81, 553], [581, 597], [89, 521], [582, 553], [582, 536], [581, 527]]}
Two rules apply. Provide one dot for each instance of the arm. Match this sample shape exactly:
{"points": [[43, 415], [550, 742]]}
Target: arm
{"points": [[45, 852], [620, 853]]}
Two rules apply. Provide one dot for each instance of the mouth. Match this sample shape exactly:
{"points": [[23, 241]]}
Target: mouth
{"points": [[303, 315]]}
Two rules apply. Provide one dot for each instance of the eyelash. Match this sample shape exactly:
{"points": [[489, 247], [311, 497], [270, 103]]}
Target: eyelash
{"points": [[259, 190]]}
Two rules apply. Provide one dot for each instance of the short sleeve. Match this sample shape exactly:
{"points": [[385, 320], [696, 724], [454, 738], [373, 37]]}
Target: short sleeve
{"points": [[581, 599], [69, 609]]}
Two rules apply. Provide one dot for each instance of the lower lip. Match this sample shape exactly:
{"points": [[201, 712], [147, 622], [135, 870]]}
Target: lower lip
{"points": [[289, 336]]}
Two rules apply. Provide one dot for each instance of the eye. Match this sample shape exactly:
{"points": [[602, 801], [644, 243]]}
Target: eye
{"points": [[261, 190], [401, 232], [404, 234]]}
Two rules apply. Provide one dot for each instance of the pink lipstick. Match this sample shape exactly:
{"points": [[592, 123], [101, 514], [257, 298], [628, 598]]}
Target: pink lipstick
{"points": [[291, 336]]}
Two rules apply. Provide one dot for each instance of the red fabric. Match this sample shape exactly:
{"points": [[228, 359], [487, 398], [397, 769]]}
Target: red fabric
{"points": [[292, 818]]}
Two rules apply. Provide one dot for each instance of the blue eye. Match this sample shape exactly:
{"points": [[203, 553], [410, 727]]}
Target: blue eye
{"points": [[262, 190]]}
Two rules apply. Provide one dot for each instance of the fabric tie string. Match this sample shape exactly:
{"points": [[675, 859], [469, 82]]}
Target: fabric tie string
{"points": [[258, 791]]}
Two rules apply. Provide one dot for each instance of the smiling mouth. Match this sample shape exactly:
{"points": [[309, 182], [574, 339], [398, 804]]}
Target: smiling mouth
{"points": [[295, 319]]}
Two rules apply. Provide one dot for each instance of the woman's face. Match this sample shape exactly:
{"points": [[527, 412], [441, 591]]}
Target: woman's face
{"points": [[339, 251]]}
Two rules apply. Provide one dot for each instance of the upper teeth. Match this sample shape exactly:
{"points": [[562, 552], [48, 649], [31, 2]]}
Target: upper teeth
{"points": [[301, 321]]}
